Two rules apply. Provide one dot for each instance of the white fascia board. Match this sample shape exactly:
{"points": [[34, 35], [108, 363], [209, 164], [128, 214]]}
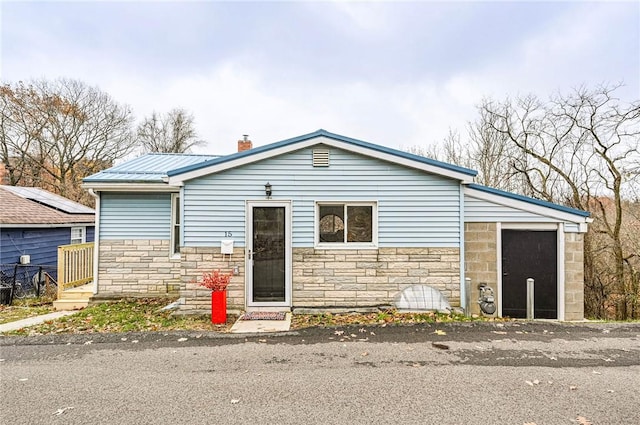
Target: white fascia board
{"points": [[131, 187], [526, 206], [179, 180]]}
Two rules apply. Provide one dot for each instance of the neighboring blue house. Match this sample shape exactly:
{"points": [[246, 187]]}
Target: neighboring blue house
{"points": [[326, 222], [34, 222]]}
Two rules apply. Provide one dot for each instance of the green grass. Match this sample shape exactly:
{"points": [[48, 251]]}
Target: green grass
{"points": [[137, 315], [22, 309], [142, 315], [379, 318]]}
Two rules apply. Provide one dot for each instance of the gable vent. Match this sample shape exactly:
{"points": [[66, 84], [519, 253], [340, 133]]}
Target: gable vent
{"points": [[321, 157]]}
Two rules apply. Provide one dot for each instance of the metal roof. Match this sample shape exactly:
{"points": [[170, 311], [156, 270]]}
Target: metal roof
{"points": [[533, 201], [149, 168]]}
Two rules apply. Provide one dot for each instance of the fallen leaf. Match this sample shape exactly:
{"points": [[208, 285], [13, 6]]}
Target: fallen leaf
{"points": [[364, 354], [439, 332], [61, 411], [583, 421]]}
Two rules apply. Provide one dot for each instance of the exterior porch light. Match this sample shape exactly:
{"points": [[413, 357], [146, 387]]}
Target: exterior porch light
{"points": [[267, 189]]}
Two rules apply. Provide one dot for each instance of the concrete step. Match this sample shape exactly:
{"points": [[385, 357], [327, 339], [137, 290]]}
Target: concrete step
{"points": [[76, 295], [66, 304]]}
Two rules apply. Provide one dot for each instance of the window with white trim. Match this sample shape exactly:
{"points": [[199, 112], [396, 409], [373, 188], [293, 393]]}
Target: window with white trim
{"points": [[347, 224], [78, 235], [175, 224]]}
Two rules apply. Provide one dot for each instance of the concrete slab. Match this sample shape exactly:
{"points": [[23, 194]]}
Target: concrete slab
{"points": [[32, 321], [262, 326]]}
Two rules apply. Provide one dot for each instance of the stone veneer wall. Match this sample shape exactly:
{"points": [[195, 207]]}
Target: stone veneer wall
{"points": [[137, 268], [367, 278], [574, 276], [326, 279], [480, 259], [197, 260]]}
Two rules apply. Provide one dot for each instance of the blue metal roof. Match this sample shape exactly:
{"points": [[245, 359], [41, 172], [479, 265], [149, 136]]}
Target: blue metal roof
{"points": [[321, 133], [529, 200], [149, 168]]}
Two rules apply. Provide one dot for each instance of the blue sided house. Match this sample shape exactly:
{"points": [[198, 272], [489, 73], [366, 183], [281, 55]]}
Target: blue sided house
{"points": [[34, 222], [327, 222]]}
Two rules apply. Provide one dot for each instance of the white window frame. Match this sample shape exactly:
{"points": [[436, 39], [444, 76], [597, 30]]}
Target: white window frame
{"points": [[175, 233], [347, 245], [83, 235]]}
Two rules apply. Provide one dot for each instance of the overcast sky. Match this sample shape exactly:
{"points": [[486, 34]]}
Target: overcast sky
{"points": [[395, 74]]}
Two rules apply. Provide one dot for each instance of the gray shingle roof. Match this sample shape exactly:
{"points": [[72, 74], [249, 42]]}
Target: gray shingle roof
{"points": [[17, 208]]}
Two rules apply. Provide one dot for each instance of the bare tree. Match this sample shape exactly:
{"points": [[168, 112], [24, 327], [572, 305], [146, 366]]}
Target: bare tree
{"points": [[582, 150], [170, 133], [54, 133]]}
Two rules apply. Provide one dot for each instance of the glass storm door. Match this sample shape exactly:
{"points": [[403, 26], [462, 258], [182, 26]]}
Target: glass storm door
{"points": [[268, 254]]}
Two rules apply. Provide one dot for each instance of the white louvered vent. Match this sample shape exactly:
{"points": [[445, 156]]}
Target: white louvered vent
{"points": [[321, 157]]}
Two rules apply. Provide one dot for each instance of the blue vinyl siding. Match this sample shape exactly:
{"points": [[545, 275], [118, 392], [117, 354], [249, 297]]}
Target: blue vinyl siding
{"points": [[571, 228], [479, 210], [91, 234], [135, 216], [40, 243], [414, 208]]}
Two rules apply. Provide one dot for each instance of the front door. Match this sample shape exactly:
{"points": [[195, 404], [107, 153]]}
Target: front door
{"points": [[268, 254], [529, 254]]}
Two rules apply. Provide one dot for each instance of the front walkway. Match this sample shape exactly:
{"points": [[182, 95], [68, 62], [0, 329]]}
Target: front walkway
{"points": [[260, 326], [32, 321]]}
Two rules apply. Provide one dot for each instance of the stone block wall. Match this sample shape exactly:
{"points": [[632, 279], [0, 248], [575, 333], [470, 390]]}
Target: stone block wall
{"points": [[129, 268], [574, 276], [368, 278], [330, 278], [480, 259], [198, 260]]}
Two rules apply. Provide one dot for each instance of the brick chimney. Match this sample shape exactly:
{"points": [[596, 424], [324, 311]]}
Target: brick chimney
{"points": [[244, 144]]}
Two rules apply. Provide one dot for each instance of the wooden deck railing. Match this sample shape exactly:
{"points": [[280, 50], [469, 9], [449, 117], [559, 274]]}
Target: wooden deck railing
{"points": [[75, 265]]}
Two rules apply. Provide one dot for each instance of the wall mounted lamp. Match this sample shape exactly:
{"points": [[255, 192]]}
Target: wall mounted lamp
{"points": [[267, 189]]}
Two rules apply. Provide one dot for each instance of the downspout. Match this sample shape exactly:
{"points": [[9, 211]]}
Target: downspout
{"points": [[463, 290], [96, 240]]}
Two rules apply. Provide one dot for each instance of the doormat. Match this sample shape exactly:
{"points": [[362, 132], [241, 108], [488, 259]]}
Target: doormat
{"points": [[264, 315]]}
